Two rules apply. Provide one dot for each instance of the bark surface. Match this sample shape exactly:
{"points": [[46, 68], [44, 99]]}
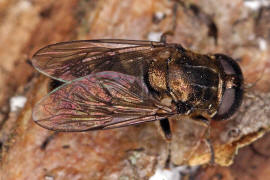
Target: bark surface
{"points": [[207, 26]]}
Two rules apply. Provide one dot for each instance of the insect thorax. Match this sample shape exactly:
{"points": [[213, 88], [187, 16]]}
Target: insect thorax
{"points": [[191, 80]]}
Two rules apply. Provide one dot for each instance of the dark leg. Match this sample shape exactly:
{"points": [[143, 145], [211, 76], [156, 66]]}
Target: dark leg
{"points": [[170, 32], [208, 138], [212, 158], [166, 129]]}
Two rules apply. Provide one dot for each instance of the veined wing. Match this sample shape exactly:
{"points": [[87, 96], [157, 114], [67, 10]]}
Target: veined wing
{"points": [[99, 101], [67, 61]]}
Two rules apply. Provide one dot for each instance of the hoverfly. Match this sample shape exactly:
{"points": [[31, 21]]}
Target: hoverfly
{"points": [[112, 83]]}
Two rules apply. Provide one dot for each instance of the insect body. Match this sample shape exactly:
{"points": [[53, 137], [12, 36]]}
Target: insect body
{"points": [[115, 83]]}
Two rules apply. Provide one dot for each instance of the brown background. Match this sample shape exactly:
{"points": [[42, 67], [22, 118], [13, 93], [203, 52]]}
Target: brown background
{"points": [[206, 26]]}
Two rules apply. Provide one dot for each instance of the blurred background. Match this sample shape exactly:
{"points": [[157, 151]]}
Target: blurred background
{"points": [[239, 28]]}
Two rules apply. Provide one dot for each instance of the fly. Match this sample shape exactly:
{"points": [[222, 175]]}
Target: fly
{"points": [[112, 83]]}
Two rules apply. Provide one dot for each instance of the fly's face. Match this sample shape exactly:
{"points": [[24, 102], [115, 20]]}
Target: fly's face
{"points": [[113, 83], [230, 87]]}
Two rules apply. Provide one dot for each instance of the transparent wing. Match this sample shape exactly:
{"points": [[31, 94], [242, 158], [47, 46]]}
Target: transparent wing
{"points": [[99, 101], [67, 61]]}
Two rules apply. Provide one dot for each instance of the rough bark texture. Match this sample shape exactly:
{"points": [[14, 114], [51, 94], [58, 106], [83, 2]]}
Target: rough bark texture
{"points": [[206, 26]]}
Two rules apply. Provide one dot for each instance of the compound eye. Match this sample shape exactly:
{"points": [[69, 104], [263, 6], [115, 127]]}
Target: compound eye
{"points": [[232, 88], [227, 102]]}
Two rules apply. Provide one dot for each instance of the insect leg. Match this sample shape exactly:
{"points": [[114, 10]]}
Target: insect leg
{"points": [[166, 129], [170, 32], [163, 37], [212, 158], [208, 139]]}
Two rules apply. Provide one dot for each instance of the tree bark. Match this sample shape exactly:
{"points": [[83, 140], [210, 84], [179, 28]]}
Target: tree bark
{"points": [[207, 26]]}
